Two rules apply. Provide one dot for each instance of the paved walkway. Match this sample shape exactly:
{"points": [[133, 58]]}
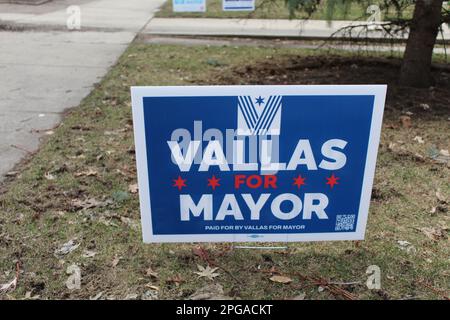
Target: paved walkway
{"points": [[45, 70], [317, 29], [280, 43]]}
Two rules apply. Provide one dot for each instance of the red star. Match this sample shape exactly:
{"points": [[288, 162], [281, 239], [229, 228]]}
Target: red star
{"points": [[332, 180], [213, 182], [299, 181], [179, 183]]}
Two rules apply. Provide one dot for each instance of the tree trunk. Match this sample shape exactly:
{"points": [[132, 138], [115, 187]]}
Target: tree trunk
{"points": [[416, 66]]}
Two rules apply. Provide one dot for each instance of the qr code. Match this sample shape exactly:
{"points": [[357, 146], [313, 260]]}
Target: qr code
{"points": [[344, 222]]}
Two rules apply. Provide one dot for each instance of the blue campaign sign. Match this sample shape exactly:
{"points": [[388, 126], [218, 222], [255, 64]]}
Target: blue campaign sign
{"points": [[256, 163], [189, 5], [238, 5]]}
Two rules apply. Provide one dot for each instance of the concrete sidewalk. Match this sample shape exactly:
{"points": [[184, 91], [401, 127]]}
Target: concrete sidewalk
{"points": [[129, 15], [312, 29], [44, 72]]}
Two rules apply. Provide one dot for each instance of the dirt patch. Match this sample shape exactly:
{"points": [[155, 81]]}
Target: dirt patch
{"points": [[334, 69]]}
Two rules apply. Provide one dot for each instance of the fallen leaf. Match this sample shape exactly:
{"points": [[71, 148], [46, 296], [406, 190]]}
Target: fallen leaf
{"points": [[434, 234], [149, 272], [97, 296], [67, 248], [301, 296], [130, 222], [115, 261], [131, 296], [8, 286], [49, 176], [133, 188], [444, 152], [419, 139], [89, 203], [425, 106], [176, 279], [12, 173], [281, 279], [207, 272], [89, 254], [151, 286], [405, 121], [107, 222], [88, 173], [406, 246], [440, 196], [392, 146], [28, 296]]}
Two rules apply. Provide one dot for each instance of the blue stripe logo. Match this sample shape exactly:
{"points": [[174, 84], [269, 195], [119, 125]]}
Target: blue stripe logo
{"points": [[261, 119]]}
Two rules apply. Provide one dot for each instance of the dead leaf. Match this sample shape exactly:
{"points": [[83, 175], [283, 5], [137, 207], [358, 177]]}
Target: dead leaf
{"points": [[176, 280], [151, 286], [207, 272], [12, 173], [8, 286], [441, 197], [89, 254], [392, 146], [444, 152], [406, 246], [405, 121], [281, 279], [49, 176], [67, 248], [88, 173], [434, 234], [131, 296], [133, 188], [130, 222], [28, 296], [97, 296], [116, 261], [107, 222], [301, 296], [89, 203], [419, 139], [149, 272]]}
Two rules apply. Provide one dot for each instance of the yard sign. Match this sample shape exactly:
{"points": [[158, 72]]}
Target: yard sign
{"points": [[189, 5], [256, 163], [238, 5]]}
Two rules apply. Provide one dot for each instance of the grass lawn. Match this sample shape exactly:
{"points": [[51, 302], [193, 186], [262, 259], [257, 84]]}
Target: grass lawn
{"points": [[80, 187], [266, 9]]}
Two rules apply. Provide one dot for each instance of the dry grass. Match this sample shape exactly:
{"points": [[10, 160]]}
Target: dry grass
{"points": [[56, 199]]}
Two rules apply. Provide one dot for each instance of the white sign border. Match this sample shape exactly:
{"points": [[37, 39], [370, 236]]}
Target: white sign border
{"points": [[137, 95]]}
